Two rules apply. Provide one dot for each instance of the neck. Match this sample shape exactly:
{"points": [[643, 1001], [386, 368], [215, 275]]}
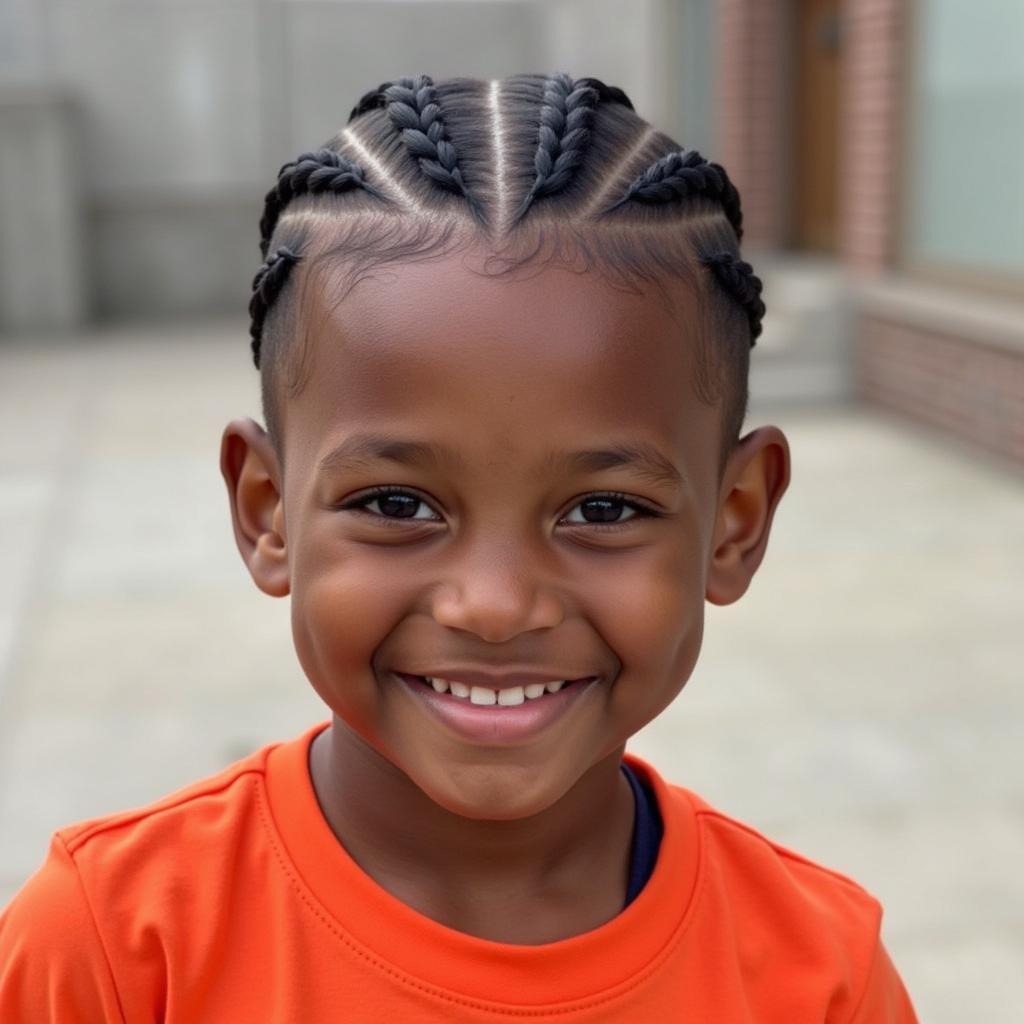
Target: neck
{"points": [[530, 880]]}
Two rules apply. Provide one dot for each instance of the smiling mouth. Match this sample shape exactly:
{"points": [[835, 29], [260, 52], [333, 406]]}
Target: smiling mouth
{"points": [[485, 696]]}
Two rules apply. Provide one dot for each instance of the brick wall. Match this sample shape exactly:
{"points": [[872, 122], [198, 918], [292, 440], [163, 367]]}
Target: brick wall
{"points": [[949, 378], [912, 361], [870, 98], [751, 115], [960, 385]]}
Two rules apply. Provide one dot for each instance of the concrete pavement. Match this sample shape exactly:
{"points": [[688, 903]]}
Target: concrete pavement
{"points": [[863, 704]]}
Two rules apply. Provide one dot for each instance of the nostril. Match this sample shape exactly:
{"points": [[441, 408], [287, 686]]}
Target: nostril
{"points": [[497, 602]]}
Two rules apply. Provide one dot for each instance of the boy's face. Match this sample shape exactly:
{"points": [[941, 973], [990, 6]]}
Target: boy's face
{"points": [[491, 542]]}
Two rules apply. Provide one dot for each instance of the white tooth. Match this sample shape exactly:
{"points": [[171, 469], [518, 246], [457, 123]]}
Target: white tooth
{"points": [[535, 690], [458, 689], [482, 695], [440, 685], [511, 695], [555, 686]]}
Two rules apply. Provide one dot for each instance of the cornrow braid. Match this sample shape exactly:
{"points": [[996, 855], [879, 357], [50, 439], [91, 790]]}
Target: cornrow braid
{"points": [[565, 147], [566, 119], [266, 286], [372, 100], [319, 171], [412, 106], [680, 175], [737, 277], [606, 93]]}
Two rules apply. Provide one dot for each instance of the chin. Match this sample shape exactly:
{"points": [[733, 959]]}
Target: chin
{"points": [[492, 792]]}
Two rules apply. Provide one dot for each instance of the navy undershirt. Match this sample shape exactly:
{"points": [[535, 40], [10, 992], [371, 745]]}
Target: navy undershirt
{"points": [[647, 831]]}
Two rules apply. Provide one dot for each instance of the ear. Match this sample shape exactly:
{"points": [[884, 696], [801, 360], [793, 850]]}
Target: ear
{"points": [[755, 478], [250, 469]]}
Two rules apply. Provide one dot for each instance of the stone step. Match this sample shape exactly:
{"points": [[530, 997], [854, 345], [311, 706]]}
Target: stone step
{"points": [[803, 353]]}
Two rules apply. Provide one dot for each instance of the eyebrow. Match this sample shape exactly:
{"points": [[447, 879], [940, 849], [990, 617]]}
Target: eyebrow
{"points": [[641, 457], [362, 449]]}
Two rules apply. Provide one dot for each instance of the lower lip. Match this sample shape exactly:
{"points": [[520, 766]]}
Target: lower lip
{"points": [[494, 724]]}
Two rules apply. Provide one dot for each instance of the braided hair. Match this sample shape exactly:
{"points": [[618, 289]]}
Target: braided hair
{"points": [[540, 166]]}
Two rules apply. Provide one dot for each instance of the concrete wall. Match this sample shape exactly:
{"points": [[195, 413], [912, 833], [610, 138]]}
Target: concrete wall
{"points": [[618, 43], [189, 107], [22, 36], [43, 270]]}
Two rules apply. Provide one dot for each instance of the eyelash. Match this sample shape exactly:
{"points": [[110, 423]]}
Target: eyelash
{"points": [[360, 502]]}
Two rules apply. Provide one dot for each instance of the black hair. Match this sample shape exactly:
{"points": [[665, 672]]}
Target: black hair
{"points": [[538, 168]]}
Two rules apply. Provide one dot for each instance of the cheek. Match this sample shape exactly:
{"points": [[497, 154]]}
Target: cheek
{"points": [[343, 607], [655, 625]]}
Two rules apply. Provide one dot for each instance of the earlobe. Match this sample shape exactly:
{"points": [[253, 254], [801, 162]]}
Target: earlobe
{"points": [[251, 471], [755, 479]]}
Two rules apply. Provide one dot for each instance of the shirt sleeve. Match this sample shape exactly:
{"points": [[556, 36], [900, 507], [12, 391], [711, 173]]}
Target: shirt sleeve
{"points": [[884, 1000], [52, 964]]}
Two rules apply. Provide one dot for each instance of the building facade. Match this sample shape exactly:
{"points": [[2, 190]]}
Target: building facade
{"points": [[886, 138], [877, 144]]}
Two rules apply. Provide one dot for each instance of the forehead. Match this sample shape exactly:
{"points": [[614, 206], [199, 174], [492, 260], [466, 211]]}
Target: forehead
{"points": [[515, 364]]}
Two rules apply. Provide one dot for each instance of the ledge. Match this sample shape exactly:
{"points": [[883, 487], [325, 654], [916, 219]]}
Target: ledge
{"points": [[962, 314]]}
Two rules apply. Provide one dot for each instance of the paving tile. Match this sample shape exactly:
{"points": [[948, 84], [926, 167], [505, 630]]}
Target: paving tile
{"points": [[964, 977], [861, 704]]}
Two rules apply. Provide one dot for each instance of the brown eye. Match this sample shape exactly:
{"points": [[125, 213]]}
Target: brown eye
{"points": [[604, 509], [401, 505], [394, 504]]}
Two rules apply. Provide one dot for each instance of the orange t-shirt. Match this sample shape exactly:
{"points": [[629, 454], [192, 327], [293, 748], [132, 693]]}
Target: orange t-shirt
{"points": [[232, 900]]}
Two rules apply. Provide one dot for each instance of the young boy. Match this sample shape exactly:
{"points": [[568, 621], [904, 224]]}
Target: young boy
{"points": [[498, 502]]}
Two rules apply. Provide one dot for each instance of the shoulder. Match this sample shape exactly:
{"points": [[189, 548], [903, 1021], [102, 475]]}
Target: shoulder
{"points": [[115, 889], [783, 915], [53, 966], [200, 812], [144, 870], [119, 858], [167, 835], [754, 867]]}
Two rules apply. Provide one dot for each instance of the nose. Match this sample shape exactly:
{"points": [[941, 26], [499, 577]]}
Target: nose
{"points": [[496, 595]]}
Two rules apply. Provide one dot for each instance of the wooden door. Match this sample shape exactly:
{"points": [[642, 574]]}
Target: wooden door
{"points": [[815, 206]]}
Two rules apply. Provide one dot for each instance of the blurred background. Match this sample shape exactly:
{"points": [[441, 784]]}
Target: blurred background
{"points": [[862, 704]]}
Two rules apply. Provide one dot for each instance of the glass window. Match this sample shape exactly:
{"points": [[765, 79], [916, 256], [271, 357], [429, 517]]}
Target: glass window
{"points": [[964, 191]]}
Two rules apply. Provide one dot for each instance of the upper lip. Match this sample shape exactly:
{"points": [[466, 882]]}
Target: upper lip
{"points": [[499, 680]]}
